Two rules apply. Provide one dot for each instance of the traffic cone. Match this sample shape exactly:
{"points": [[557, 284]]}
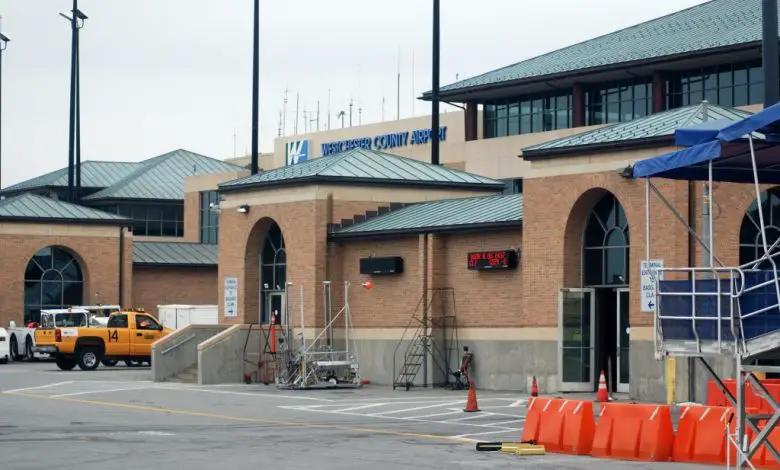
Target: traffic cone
{"points": [[534, 388], [471, 403], [602, 395]]}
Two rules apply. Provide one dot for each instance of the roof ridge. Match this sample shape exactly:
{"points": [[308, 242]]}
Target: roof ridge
{"points": [[423, 162], [10, 200]]}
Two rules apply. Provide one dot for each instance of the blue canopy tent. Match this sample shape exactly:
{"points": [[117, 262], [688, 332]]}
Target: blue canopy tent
{"points": [[727, 149]]}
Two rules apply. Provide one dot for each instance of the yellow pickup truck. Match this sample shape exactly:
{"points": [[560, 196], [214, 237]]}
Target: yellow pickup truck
{"points": [[128, 336]]}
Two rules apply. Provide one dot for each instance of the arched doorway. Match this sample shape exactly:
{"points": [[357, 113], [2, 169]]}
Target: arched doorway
{"points": [[273, 274], [594, 317], [53, 279]]}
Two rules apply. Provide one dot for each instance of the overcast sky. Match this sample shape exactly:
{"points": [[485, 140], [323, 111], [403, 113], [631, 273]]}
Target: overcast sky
{"points": [[157, 75]]}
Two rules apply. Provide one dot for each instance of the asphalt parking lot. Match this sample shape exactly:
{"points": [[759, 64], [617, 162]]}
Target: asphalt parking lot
{"points": [[117, 418]]}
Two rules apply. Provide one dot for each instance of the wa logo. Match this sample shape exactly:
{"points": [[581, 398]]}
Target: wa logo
{"points": [[297, 151]]}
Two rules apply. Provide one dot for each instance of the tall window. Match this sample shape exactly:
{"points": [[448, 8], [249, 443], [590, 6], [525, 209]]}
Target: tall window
{"points": [[528, 114], [152, 220], [730, 85], [751, 246], [273, 272], [209, 219], [52, 279], [618, 102], [606, 244]]}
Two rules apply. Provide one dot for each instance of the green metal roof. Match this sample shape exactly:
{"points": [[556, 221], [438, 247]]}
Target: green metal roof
{"points": [[94, 174], [483, 212], [369, 166], [175, 254], [162, 177], [33, 207], [711, 25], [656, 126]]}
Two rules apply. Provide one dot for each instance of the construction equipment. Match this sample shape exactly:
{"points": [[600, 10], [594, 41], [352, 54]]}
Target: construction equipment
{"points": [[324, 362], [434, 316]]}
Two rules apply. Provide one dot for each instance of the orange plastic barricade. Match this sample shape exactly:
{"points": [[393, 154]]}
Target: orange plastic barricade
{"points": [[701, 435], [763, 458], [630, 431], [533, 419], [579, 427]]}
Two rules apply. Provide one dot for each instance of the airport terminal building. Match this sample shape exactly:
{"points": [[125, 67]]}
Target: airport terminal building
{"points": [[525, 243]]}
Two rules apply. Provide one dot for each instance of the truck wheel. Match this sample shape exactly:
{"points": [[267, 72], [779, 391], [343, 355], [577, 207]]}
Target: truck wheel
{"points": [[28, 349], [109, 362], [89, 359], [4, 360], [14, 353], [65, 363]]}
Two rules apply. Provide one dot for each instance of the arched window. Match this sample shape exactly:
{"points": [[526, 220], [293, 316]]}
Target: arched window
{"points": [[751, 245], [605, 244], [273, 272], [53, 279]]}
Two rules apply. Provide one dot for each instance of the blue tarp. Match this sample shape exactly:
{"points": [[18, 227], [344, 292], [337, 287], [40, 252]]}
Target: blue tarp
{"points": [[726, 147], [700, 133]]}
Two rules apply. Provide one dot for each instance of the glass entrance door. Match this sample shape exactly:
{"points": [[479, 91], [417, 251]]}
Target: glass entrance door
{"points": [[575, 340], [276, 305], [623, 333]]}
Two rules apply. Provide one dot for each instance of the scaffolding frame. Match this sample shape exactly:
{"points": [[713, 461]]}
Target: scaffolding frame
{"points": [[733, 317], [318, 365]]}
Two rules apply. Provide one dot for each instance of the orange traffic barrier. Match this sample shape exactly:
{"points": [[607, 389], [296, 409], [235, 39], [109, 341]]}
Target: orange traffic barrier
{"points": [[763, 458], [701, 435], [533, 418], [630, 431], [561, 426]]}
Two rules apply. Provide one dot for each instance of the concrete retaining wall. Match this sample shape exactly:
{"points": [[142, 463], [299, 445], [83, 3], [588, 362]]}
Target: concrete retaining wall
{"points": [[178, 351], [221, 357]]}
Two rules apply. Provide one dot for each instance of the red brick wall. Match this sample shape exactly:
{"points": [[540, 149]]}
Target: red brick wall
{"points": [[153, 286], [98, 257]]}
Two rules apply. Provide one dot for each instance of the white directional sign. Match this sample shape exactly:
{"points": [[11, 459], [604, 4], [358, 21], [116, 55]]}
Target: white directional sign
{"points": [[231, 296], [648, 273]]}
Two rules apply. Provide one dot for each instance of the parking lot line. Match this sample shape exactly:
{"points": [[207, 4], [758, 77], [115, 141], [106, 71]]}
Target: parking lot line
{"points": [[245, 394], [88, 392], [155, 409], [37, 388], [437, 405], [504, 431]]}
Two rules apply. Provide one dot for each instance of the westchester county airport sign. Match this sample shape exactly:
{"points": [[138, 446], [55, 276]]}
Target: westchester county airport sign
{"points": [[383, 141]]}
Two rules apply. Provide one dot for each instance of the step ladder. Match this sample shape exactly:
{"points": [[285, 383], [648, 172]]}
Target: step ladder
{"points": [[414, 358]]}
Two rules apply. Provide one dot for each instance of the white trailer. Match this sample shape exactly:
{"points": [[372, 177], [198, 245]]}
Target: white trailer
{"points": [[5, 351], [21, 340], [178, 316]]}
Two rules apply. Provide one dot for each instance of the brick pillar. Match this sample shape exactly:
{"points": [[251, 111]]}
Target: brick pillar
{"points": [[659, 92], [471, 122], [578, 106]]}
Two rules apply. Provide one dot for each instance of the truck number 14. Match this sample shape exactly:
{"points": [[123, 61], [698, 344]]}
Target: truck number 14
{"points": [[113, 336]]}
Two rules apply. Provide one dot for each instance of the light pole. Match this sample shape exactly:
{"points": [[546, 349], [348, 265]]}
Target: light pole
{"points": [[255, 85], [435, 88], [74, 137], [3, 45]]}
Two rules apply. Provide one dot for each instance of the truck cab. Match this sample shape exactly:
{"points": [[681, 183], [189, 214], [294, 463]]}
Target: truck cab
{"points": [[127, 336]]}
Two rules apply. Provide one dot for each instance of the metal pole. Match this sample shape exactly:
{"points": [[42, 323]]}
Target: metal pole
{"points": [[255, 86], [3, 45], [77, 166], [769, 52], [435, 88], [346, 317], [72, 116]]}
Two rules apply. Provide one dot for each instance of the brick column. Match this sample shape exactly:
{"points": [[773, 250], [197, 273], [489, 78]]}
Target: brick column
{"points": [[578, 106], [471, 123], [659, 92]]}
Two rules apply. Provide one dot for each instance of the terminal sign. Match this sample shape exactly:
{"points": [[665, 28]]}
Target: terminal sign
{"points": [[383, 141], [648, 273]]}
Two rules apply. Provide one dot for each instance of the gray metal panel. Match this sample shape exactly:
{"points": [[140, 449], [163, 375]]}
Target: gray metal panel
{"points": [[162, 177], [715, 24], [32, 206], [656, 125], [445, 213], [364, 164], [94, 174], [173, 253]]}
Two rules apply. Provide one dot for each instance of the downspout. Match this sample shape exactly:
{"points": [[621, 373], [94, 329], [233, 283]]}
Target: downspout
{"points": [[121, 265], [691, 264]]}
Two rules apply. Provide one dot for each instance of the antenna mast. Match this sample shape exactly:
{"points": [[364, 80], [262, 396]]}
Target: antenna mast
{"points": [[413, 82], [398, 88], [297, 101], [328, 108], [318, 115], [284, 113]]}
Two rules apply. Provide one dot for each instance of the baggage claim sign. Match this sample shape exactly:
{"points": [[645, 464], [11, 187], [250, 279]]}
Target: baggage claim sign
{"points": [[383, 141]]}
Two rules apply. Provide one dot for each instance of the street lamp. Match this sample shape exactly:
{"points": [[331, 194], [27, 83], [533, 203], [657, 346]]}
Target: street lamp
{"points": [[3, 45], [74, 138], [255, 87]]}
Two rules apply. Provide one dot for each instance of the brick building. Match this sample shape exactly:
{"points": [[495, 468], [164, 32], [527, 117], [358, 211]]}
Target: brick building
{"points": [[533, 170]]}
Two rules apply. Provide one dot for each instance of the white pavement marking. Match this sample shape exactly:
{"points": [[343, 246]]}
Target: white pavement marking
{"points": [[87, 392], [361, 407], [517, 403], [416, 408], [156, 433], [37, 388], [440, 414], [245, 394]]}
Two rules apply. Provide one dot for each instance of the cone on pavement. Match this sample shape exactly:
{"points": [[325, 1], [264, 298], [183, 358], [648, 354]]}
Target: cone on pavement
{"points": [[602, 395], [534, 388], [471, 402]]}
